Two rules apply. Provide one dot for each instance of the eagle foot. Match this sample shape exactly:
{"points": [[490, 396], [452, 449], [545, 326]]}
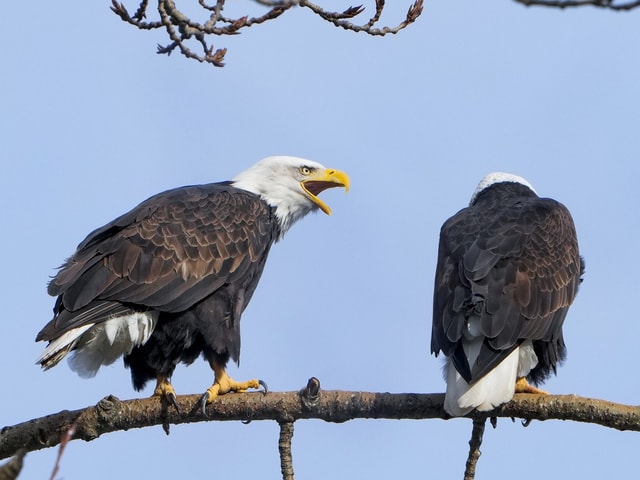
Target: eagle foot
{"points": [[165, 390], [224, 384], [522, 386]]}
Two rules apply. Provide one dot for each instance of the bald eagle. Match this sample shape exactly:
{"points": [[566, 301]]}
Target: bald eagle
{"points": [[508, 269], [169, 280]]}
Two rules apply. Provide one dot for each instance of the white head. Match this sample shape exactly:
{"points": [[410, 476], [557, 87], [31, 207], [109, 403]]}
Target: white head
{"points": [[291, 185], [498, 177]]}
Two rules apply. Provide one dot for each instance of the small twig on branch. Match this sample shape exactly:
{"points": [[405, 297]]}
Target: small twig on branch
{"points": [[111, 414], [311, 395], [606, 4], [474, 448], [284, 446]]}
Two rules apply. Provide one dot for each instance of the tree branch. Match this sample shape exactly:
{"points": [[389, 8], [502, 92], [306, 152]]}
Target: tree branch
{"points": [[182, 29], [112, 414], [474, 448], [284, 446], [606, 4]]}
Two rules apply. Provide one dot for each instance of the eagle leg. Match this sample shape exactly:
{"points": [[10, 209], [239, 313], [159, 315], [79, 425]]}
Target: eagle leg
{"points": [[165, 390], [522, 386], [223, 383]]}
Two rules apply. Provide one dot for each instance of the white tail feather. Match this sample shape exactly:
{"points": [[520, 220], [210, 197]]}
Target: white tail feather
{"points": [[58, 348], [108, 341], [94, 345], [494, 389]]}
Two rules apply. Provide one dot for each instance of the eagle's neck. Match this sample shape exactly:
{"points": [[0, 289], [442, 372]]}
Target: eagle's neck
{"points": [[502, 194], [287, 215], [289, 205]]}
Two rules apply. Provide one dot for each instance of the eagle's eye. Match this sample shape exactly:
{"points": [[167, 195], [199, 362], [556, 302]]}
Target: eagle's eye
{"points": [[305, 170]]}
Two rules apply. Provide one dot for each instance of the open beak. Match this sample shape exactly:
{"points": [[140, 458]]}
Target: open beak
{"points": [[321, 180]]}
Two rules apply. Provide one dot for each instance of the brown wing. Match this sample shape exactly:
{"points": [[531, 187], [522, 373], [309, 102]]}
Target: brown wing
{"points": [[513, 272], [167, 254]]}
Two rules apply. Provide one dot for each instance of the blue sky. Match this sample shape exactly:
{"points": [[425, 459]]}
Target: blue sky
{"points": [[93, 121]]}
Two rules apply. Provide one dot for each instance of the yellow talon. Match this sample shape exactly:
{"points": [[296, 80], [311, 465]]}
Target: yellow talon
{"points": [[223, 383], [163, 387], [522, 386], [165, 390]]}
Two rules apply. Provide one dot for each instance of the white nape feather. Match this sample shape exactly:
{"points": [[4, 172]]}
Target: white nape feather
{"points": [[100, 344], [498, 177], [495, 388], [277, 180]]}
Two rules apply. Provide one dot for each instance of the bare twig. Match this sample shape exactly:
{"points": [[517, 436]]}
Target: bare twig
{"points": [[412, 15], [111, 414], [181, 29], [606, 4], [137, 19], [474, 448], [11, 469], [64, 440], [284, 446]]}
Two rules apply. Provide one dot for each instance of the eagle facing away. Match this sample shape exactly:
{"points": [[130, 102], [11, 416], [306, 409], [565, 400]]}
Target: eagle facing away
{"points": [[508, 269], [169, 280]]}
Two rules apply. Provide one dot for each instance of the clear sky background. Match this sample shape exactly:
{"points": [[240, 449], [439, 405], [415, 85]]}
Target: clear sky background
{"points": [[92, 122]]}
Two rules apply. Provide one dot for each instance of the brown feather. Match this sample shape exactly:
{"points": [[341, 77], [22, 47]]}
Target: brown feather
{"points": [[512, 260], [159, 254]]}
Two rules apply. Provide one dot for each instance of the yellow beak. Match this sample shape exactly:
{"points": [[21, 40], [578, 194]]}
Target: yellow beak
{"points": [[321, 180]]}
